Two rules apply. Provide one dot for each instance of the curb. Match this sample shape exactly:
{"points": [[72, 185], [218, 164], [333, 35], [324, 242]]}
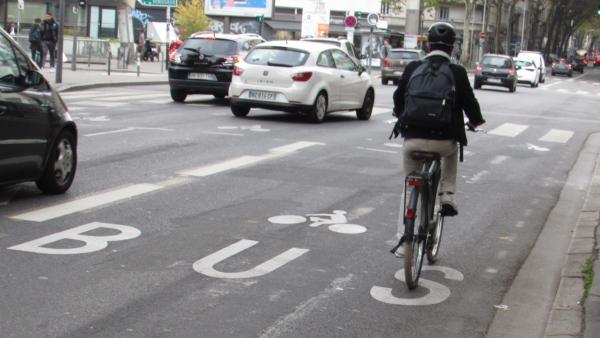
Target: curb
{"points": [[592, 305], [85, 86]]}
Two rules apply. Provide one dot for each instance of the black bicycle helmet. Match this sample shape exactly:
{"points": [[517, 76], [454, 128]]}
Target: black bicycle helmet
{"points": [[441, 33]]}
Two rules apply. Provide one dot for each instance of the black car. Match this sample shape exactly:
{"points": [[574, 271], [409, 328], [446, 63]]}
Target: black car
{"points": [[204, 63], [562, 67], [496, 70], [38, 139]]}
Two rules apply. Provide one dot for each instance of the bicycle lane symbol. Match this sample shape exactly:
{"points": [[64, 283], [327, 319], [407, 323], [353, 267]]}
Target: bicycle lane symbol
{"points": [[337, 222], [437, 292]]}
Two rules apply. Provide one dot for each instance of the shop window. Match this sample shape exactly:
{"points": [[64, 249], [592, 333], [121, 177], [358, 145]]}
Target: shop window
{"points": [[103, 22]]}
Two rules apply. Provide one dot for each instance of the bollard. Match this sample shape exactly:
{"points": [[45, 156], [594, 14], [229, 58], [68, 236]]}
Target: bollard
{"points": [[138, 66], [109, 58], [89, 48], [74, 54]]}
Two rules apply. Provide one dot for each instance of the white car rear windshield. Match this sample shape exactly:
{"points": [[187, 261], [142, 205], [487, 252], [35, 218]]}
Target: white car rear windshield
{"points": [[278, 57], [404, 55], [524, 63]]}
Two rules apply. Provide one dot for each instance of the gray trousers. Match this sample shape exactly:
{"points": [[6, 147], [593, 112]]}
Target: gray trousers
{"points": [[448, 149], [50, 48]]}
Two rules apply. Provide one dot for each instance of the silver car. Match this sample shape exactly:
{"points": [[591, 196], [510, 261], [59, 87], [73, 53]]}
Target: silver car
{"points": [[394, 63]]}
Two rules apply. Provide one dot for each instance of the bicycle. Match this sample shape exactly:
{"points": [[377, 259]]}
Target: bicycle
{"points": [[422, 208]]}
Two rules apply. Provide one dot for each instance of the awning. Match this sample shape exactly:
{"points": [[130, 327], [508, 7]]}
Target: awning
{"points": [[278, 25]]}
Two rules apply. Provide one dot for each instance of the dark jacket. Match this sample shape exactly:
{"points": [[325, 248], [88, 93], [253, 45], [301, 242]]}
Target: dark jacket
{"points": [[465, 101], [35, 35], [50, 30]]}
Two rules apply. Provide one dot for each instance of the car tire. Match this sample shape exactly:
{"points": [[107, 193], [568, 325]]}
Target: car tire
{"points": [[178, 95], [513, 88], [239, 111], [364, 113], [570, 75], [384, 81], [317, 112], [219, 96], [553, 74], [533, 84], [477, 85], [395, 82], [61, 165]]}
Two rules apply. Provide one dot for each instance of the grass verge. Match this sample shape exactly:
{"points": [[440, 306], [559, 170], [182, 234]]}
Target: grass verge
{"points": [[588, 275]]}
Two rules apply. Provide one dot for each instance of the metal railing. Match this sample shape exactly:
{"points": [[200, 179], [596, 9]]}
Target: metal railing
{"points": [[88, 50]]}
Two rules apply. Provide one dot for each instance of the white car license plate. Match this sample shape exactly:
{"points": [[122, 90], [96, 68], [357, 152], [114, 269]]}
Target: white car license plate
{"points": [[398, 73], [202, 76], [260, 95], [494, 80]]}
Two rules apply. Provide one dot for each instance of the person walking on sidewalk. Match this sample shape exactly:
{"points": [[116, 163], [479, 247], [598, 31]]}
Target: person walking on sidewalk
{"points": [[49, 38], [35, 40]]}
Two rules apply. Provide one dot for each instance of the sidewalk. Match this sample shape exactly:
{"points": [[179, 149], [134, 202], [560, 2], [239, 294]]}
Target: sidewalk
{"points": [[545, 298], [96, 75]]}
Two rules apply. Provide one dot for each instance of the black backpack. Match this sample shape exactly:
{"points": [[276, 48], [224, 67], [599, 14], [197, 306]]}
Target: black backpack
{"points": [[35, 35], [429, 97]]}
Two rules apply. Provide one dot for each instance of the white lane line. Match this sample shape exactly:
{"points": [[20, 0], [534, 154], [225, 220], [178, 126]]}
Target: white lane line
{"points": [[582, 92], [508, 129], [85, 203], [562, 90], [131, 97], [557, 136], [125, 130], [221, 133], [103, 104], [499, 159], [377, 150], [477, 177], [247, 160], [393, 145]]}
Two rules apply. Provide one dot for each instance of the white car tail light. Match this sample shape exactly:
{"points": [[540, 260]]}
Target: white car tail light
{"points": [[302, 77], [237, 71]]}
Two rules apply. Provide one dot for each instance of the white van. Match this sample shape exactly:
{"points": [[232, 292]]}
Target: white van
{"points": [[538, 59]]}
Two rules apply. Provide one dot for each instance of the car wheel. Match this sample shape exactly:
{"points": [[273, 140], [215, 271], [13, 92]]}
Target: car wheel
{"points": [[364, 113], [542, 79], [553, 74], [384, 81], [178, 95], [239, 111], [570, 74], [319, 109], [533, 84], [477, 85], [513, 88], [219, 96], [395, 82], [62, 164]]}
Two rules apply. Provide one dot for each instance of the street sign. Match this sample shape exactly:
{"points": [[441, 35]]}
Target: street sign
{"points": [[159, 3], [350, 21], [373, 19], [21, 4], [482, 35]]}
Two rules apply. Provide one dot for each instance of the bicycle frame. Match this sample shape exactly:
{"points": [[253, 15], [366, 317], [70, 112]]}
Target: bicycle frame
{"points": [[426, 181]]}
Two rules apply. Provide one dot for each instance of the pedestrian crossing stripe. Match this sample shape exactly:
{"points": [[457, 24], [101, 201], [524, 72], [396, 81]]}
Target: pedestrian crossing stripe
{"points": [[508, 129], [557, 136]]}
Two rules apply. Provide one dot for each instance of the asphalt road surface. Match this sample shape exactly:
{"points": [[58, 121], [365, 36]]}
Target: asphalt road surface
{"points": [[185, 221]]}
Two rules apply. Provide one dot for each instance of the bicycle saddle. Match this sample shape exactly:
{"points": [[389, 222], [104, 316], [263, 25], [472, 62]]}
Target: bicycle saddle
{"points": [[424, 155]]}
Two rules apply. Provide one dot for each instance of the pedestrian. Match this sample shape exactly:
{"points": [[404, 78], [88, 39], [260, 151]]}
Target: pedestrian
{"points": [[385, 50], [10, 29], [35, 40], [49, 39], [436, 123]]}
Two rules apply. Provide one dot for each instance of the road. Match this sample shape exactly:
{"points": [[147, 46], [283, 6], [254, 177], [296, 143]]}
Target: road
{"points": [[196, 223]]}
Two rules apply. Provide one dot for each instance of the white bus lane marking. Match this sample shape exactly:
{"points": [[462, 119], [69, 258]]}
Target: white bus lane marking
{"points": [[81, 204], [437, 292], [337, 222], [91, 243], [205, 265]]}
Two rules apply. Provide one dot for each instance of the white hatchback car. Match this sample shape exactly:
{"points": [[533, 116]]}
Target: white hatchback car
{"points": [[527, 72], [309, 78]]}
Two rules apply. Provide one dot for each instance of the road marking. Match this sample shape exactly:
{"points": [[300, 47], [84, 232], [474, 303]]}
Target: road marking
{"points": [[221, 133], [376, 111], [104, 104], [393, 145], [508, 129], [477, 176], [247, 160], [520, 224], [378, 150], [562, 90], [125, 130], [501, 254], [557, 136], [491, 270], [536, 148], [130, 97], [85, 203], [499, 159], [582, 92]]}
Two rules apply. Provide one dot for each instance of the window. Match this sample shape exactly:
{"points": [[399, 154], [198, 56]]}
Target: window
{"points": [[212, 46], [496, 62], [9, 69], [343, 61], [404, 55], [444, 13], [103, 22], [325, 60], [278, 57]]}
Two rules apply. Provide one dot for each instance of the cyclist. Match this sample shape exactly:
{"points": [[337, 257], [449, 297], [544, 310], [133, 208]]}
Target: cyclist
{"points": [[441, 37]]}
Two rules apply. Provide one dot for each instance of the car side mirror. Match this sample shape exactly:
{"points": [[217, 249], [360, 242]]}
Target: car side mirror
{"points": [[34, 78]]}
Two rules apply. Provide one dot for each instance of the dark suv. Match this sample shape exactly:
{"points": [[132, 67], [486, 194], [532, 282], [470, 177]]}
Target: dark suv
{"points": [[496, 70], [203, 64]]}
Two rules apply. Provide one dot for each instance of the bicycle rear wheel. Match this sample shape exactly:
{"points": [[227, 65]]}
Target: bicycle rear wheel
{"points": [[414, 246], [435, 237]]}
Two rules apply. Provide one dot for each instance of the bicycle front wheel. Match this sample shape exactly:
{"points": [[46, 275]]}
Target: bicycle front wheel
{"points": [[414, 246]]}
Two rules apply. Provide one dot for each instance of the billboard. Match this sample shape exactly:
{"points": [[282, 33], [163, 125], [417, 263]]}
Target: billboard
{"points": [[248, 8], [315, 19]]}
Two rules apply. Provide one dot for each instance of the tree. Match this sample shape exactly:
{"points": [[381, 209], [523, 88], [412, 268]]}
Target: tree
{"points": [[190, 17]]}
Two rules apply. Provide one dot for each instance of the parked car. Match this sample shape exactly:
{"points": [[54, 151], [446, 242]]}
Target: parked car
{"points": [[38, 138], [394, 63], [538, 59], [300, 76], [496, 70], [562, 67], [203, 64], [527, 72], [597, 61], [580, 60], [344, 44]]}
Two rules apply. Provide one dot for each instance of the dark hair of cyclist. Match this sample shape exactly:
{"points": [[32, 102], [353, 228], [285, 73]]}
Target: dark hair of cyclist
{"points": [[441, 36]]}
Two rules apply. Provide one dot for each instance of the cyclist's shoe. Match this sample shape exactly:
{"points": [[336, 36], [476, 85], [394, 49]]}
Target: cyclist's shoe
{"points": [[448, 205]]}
